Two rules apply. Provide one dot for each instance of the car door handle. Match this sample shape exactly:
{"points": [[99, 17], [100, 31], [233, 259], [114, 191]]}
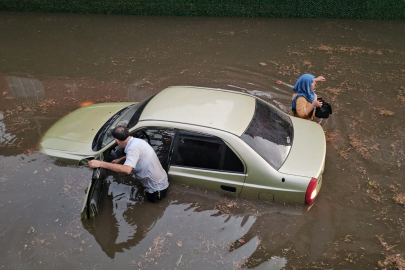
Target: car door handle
{"points": [[228, 188]]}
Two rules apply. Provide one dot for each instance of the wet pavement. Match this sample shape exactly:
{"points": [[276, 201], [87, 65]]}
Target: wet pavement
{"points": [[51, 64]]}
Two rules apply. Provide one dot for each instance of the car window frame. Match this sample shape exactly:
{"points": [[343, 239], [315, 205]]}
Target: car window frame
{"points": [[279, 114], [206, 137], [143, 128], [137, 115]]}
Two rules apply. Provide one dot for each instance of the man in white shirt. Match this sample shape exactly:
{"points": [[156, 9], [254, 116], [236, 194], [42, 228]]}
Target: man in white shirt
{"points": [[141, 162]]}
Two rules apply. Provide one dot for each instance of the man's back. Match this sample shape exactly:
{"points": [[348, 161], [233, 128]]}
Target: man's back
{"points": [[147, 167]]}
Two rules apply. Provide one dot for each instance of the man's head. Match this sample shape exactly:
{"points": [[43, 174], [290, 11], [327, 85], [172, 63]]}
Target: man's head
{"points": [[120, 134]]}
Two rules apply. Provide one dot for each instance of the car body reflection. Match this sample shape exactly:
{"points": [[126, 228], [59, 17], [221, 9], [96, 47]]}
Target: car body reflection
{"points": [[125, 219]]}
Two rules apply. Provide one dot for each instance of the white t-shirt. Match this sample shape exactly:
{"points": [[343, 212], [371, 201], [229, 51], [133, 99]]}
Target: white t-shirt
{"points": [[147, 167]]}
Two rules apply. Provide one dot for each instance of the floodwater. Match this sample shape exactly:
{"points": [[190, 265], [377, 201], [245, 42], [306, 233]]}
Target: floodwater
{"points": [[51, 64]]}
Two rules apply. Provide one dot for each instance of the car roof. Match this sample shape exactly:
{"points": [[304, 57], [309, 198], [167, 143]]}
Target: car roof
{"points": [[213, 108]]}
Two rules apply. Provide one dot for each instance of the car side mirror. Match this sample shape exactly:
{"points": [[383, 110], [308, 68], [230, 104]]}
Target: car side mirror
{"points": [[85, 161]]}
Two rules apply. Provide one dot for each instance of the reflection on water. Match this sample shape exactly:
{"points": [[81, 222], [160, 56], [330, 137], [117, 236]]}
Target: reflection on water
{"points": [[5, 137], [73, 60], [136, 93], [125, 219], [275, 263], [26, 91]]}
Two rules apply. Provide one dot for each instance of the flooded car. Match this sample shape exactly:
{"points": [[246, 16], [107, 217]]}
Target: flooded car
{"points": [[217, 139]]}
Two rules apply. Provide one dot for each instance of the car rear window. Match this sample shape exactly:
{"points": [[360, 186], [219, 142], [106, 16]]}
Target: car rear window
{"points": [[270, 134]]}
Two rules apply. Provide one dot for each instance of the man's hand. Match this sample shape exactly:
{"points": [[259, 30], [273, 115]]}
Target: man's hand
{"points": [[109, 166], [320, 79], [94, 164]]}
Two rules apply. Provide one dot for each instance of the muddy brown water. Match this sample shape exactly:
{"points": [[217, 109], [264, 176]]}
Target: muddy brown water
{"points": [[50, 64]]}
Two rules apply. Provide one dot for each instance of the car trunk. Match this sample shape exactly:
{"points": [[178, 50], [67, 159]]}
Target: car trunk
{"points": [[307, 154]]}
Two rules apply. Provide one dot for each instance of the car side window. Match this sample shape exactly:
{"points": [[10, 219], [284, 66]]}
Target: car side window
{"points": [[160, 139], [204, 152]]}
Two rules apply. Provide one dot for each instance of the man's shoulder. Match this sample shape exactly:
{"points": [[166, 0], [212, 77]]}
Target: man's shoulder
{"points": [[132, 143], [137, 143], [136, 140]]}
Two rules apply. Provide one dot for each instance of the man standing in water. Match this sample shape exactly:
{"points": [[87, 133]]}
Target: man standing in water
{"points": [[141, 162]]}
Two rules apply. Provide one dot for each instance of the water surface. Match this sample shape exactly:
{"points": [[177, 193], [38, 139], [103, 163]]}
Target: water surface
{"points": [[51, 64]]}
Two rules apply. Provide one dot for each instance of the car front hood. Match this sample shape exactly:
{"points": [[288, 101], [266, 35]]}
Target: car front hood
{"points": [[307, 154], [75, 132]]}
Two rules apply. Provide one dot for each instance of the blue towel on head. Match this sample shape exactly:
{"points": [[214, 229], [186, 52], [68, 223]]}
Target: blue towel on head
{"points": [[303, 88]]}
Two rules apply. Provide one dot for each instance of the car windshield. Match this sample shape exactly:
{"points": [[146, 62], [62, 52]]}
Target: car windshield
{"points": [[121, 120], [127, 117], [270, 134]]}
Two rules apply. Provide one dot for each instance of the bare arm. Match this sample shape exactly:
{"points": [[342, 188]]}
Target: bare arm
{"points": [[320, 79], [118, 160], [316, 103], [109, 166], [304, 108], [309, 109]]}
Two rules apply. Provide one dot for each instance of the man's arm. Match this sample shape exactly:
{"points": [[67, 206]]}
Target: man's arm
{"points": [[109, 166], [118, 160]]}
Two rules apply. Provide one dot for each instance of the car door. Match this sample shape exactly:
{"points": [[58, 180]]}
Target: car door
{"points": [[205, 161], [160, 139], [93, 194]]}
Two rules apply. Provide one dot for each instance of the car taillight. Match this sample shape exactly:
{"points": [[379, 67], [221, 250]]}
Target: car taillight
{"points": [[311, 193]]}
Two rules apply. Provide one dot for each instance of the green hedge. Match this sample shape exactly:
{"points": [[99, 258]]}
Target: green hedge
{"points": [[349, 9]]}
